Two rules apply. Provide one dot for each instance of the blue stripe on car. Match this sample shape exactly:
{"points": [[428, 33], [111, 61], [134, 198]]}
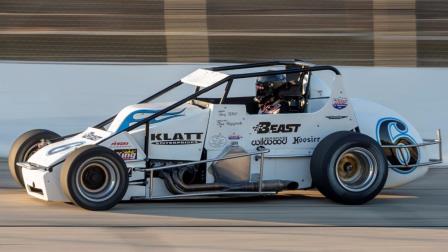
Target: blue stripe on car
{"points": [[130, 118]]}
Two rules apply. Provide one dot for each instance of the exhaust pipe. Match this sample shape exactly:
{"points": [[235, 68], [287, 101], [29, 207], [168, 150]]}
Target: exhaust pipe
{"points": [[175, 184], [172, 188], [177, 175], [267, 185]]}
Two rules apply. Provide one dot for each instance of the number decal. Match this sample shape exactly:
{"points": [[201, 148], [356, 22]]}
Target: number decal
{"points": [[392, 131]]}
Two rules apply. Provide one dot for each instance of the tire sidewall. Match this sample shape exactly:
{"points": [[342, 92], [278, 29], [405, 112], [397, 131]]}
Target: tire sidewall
{"points": [[73, 164], [329, 184], [369, 192]]}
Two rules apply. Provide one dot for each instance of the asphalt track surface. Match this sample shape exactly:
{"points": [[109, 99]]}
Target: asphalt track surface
{"points": [[410, 218]]}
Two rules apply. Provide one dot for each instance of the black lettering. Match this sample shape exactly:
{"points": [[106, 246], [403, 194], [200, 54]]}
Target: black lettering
{"points": [[176, 139], [267, 127], [295, 127], [188, 136], [275, 128], [198, 136], [264, 127], [299, 140], [178, 136]]}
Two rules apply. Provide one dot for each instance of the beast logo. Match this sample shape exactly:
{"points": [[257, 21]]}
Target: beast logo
{"points": [[267, 127], [391, 131]]}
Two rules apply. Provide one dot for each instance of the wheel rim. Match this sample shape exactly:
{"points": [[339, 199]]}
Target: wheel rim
{"points": [[97, 179], [30, 151], [356, 169]]}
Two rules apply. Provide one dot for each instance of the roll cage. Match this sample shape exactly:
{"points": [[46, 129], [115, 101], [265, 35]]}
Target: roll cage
{"points": [[295, 66]]}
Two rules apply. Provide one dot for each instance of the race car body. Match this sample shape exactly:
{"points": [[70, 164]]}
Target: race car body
{"points": [[200, 146]]}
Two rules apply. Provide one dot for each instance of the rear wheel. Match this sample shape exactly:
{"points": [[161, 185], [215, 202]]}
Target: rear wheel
{"points": [[349, 167], [24, 147], [94, 178]]}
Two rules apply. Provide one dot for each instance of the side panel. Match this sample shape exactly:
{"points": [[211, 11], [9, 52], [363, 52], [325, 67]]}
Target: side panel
{"points": [[126, 147], [181, 138], [291, 138], [285, 168], [385, 125]]}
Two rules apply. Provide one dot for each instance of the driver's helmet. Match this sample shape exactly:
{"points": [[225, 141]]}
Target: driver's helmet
{"points": [[267, 87]]}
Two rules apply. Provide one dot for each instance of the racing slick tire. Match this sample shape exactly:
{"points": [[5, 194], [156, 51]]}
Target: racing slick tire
{"points": [[94, 178], [25, 146], [349, 168]]}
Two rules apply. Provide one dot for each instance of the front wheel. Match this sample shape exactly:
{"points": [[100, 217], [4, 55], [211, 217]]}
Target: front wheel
{"points": [[349, 168], [24, 147], [94, 178]]}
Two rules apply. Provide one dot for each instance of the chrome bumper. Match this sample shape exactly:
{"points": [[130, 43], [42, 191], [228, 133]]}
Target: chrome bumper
{"points": [[32, 166], [426, 142]]}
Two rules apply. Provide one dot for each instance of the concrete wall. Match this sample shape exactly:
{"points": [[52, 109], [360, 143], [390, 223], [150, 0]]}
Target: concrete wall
{"points": [[70, 97]]}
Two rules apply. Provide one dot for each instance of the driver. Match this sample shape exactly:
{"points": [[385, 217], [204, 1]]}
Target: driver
{"points": [[267, 96]]}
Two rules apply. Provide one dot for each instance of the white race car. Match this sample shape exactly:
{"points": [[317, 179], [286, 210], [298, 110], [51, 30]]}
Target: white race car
{"points": [[297, 132]]}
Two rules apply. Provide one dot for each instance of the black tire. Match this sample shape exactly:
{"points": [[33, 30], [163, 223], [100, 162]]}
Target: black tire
{"points": [[349, 168], [24, 146], [94, 178]]}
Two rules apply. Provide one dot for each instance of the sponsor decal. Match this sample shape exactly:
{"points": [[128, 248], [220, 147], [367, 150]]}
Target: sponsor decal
{"points": [[336, 117], [299, 140], [392, 131], [65, 147], [218, 141], [270, 141], [222, 123], [222, 113], [138, 115], [234, 143], [91, 136], [234, 123], [119, 144], [340, 103], [176, 138], [127, 154], [234, 137], [267, 127]]}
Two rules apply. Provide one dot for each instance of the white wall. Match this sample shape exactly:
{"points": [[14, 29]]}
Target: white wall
{"points": [[69, 97]]}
